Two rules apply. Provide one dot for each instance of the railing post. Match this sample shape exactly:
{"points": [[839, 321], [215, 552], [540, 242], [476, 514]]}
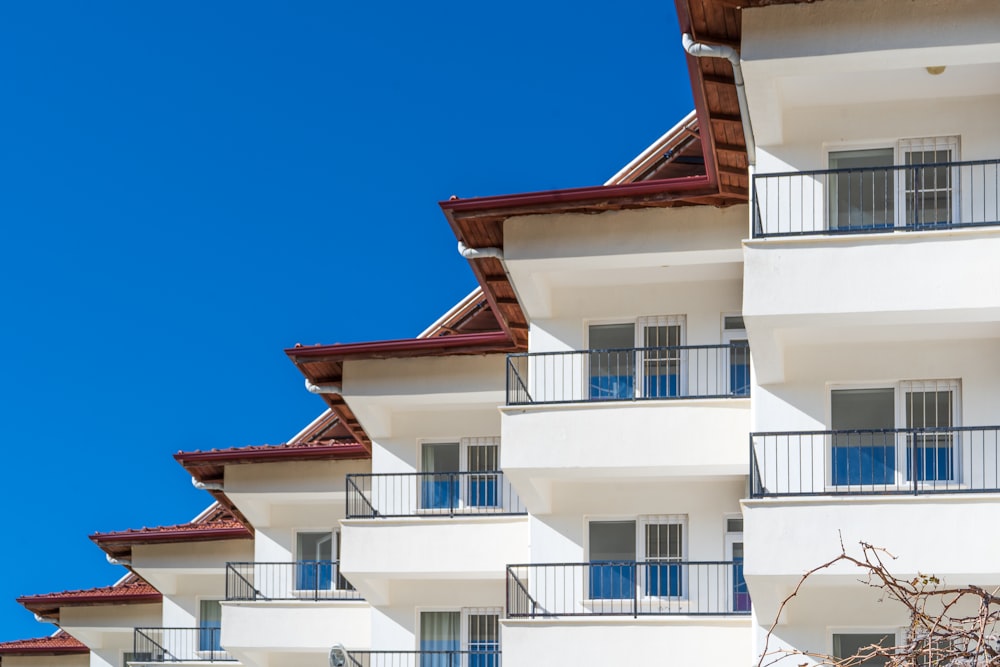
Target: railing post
{"points": [[451, 493], [913, 461], [635, 589]]}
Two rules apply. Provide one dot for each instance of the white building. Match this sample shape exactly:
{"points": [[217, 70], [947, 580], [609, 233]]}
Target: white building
{"points": [[774, 331]]}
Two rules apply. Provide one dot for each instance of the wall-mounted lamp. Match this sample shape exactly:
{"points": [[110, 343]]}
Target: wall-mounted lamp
{"points": [[934, 70]]}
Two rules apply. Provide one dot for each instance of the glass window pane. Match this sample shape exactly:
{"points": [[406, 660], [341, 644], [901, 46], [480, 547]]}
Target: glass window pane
{"points": [[612, 540], [862, 196], [866, 456], [612, 364], [847, 645], [612, 336]]}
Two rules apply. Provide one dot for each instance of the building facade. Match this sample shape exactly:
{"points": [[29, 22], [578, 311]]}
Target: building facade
{"points": [[773, 333]]}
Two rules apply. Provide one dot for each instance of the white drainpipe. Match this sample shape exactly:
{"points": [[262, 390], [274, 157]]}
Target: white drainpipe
{"points": [[700, 50], [325, 388], [117, 561], [206, 486], [480, 253]]}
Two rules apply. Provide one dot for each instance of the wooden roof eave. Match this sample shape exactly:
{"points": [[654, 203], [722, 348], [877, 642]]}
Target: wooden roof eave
{"points": [[714, 89]]}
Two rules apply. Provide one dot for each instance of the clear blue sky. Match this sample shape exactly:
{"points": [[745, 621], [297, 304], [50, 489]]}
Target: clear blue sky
{"points": [[187, 188]]}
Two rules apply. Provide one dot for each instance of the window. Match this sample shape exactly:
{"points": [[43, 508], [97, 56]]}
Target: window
{"points": [[734, 333], [464, 638], [910, 185], [631, 557], [859, 644], [877, 436], [740, 594], [927, 190], [464, 474], [209, 625], [636, 360], [440, 489], [314, 565], [862, 195]]}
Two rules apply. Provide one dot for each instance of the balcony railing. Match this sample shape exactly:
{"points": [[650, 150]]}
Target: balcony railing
{"points": [[877, 199], [484, 657], [627, 588], [300, 580], [179, 645], [435, 494], [877, 461], [629, 374]]}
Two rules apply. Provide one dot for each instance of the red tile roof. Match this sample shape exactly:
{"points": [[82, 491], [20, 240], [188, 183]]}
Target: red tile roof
{"points": [[220, 525], [60, 643], [131, 591], [299, 451]]}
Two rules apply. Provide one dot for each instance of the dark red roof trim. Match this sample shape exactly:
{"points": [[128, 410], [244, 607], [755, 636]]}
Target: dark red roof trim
{"points": [[493, 340], [187, 532], [60, 643], [48, 604], [266, 453], [572, 195]]}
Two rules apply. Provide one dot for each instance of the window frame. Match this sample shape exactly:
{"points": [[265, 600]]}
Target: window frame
{"points": [[463, 624], [902, 478], [638, 373], [465, 496], [897, 634], [900, 148], [639, 553]]}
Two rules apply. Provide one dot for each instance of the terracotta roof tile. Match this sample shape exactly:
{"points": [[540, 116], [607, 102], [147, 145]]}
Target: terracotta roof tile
{"points": [[60, 643], [130, 591], [220, 524]]}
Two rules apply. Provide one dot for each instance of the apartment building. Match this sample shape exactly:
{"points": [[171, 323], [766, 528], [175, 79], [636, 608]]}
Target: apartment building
{"points": [[772, 333]]}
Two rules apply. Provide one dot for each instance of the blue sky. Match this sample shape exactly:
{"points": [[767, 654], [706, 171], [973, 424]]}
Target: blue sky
{"points": [[188, 188]]}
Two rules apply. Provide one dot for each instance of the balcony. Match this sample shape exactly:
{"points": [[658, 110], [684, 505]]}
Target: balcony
{"points": [[629, 374], [283, 612], [574, 419], [464, 526], [300, 580], [875, 462], [159, 645], [869, 255], [431, 494], [814, 493], [627, 588], [485, 657], [876, 200]]}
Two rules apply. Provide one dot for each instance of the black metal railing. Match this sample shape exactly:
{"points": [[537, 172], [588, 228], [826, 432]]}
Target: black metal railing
{"points": [[875, 461], [629, 374], [483, 657], [431, 494], [877, 199], [299, 580], [179, 645], [627, 588]]}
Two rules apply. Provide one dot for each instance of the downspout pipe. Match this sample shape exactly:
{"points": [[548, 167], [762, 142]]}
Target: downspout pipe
{"points": [[479, 253], [118, 561], [206, 486], [324, 388], [702, 50], [489, 253]]}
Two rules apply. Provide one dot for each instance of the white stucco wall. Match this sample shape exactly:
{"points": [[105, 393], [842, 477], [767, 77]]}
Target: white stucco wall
{"points": [[627, 641]]}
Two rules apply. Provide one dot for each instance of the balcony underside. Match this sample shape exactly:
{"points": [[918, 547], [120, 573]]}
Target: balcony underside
{"points": [[443, 555]]}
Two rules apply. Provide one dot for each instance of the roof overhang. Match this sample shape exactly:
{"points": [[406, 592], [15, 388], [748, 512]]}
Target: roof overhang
{"points": [[210, 466], [119, 545], [48, 605], [60, 643], [324, 364]]}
